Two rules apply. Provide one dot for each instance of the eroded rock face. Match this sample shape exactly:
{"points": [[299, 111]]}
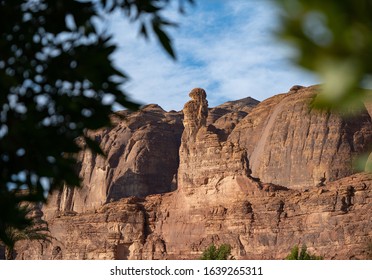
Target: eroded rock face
{"points": [[290, 144], [142, 159], [205, 156], [259, 221], [227, 115], [114, 231], [261, 179], [195, 113]]}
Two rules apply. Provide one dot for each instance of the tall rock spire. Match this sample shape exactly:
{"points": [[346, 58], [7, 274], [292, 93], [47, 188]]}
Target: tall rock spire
{"points": [[205, 156], [195, 112]]}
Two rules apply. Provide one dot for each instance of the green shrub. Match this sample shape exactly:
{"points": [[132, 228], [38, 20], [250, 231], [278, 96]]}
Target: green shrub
{"points": [[297, 254], [213, 253]]}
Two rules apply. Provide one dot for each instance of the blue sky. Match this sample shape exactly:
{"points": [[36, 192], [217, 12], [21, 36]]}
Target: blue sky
{"points": [[226, 47]]}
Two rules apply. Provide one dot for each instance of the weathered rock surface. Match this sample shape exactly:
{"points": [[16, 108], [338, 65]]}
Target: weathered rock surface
{"points": [[227, 115], [142, 159], [259, 221], [205, 156], [232, 174], [290, 144]]}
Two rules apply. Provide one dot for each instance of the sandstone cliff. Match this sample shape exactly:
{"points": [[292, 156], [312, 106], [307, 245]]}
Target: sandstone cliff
{"points": [[259, 223], [261, 179], [142, 159], [291, 144]]}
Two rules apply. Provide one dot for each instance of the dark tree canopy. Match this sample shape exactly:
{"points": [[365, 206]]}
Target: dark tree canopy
{"points": [[57, 80]]}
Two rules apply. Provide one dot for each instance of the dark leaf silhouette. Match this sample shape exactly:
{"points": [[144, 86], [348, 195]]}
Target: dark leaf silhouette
{"points": [[56, 74]]}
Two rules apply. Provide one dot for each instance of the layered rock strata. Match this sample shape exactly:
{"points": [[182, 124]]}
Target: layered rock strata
{"points": [[142, 159], [259, 221], [291, 144], [205, 157], [261, 179]]}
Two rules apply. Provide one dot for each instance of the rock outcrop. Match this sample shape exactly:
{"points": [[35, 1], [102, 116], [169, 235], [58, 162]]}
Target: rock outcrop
{"points": [[258, 221], [205, 157], [142, 159], [227, 115], [261, 179], [291, 144]]}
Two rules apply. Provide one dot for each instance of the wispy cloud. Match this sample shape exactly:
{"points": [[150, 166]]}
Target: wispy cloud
{"points": [[228, 49]]}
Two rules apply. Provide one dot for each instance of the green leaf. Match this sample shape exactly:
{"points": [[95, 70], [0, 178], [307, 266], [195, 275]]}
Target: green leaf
{"points": [[163, 38]]}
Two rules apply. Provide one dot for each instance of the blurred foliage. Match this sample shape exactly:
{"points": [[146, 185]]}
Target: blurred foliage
{"points": [[37, 229], [363, 162], [217, 253], [334, 40], [297, 254], [57, 80]]}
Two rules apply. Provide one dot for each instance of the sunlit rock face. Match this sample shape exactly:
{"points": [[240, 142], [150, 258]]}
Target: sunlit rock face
{"points": [[142, 159], [206, 157], [291, 144], [261, 177]]}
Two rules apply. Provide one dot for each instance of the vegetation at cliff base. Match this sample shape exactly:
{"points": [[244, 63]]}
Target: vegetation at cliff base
{"points": [[58, 80], [222, 252], [36, 230], [297, 254]]}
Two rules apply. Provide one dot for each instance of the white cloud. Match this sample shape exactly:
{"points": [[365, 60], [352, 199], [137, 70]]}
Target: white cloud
{"points": [[230, 52]]}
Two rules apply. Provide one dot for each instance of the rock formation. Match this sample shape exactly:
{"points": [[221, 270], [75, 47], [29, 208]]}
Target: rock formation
{"points": [[261, 179], [291, 144], [205, 156], [142, 159], [195, 113]]}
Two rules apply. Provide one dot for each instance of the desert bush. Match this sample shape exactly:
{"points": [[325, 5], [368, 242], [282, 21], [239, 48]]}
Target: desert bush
{"points": [[222, 252], [297, 254]]}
